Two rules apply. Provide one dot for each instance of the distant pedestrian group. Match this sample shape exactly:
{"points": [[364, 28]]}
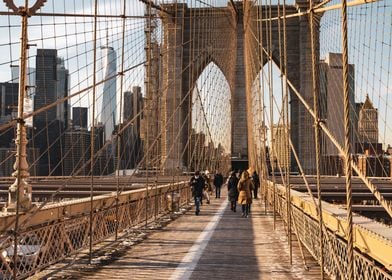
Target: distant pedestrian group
{"points": [[240, 186]]}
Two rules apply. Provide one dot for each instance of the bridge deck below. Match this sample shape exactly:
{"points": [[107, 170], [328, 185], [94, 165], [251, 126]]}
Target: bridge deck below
{"points": [[218, 244]]}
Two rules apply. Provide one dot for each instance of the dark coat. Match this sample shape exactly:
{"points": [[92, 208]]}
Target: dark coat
{"points": [[232, 188], [197, 185], [256, 180], [218, 180]]}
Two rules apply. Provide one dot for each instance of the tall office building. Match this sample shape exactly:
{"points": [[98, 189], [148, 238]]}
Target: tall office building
{"points": [[368, 122], [332, 100], [51, 84], [8, 111], [8, 98], [79, 117], [29, 98], [197, 147], [133, 105], [108, 109], [63, 83], [281, 154], [131, 138], [78, 152], [46, 85]]}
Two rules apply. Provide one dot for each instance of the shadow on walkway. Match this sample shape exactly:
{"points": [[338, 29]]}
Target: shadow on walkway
{"points": [[238, 248]]}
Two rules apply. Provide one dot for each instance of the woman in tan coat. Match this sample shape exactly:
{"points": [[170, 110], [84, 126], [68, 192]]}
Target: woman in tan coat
{"points": [[245, 188]]}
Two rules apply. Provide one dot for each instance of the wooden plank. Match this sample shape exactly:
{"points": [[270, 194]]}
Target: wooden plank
{"points": [[243, 248]]}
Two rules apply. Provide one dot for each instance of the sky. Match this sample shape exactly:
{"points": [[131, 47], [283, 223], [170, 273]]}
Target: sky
{"points": [[369, 46]]}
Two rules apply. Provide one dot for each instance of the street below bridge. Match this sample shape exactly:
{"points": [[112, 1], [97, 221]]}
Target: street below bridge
{"points": [[217, 244]]}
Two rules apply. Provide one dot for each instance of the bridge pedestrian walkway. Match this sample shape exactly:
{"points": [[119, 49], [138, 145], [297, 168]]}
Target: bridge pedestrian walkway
{"points": [[217, 244]]}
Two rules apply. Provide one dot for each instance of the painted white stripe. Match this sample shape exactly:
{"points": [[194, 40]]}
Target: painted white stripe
{"points": [[190, 260]]}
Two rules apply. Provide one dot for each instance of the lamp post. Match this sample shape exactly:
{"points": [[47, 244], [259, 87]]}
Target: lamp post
{"points": [[19, 193]]}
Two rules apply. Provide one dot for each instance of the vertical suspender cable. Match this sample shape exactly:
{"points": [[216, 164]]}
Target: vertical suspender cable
{"points": [[315, 90], [264, 146], [287, 131], [148, 30], [286, 152], [92, 129], [180, 125], [282, 117], [120, 135], [271, 104], [347, 145]]}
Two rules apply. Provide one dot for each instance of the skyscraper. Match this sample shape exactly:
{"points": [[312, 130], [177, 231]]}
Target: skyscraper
{"points": [[281, 154], [29, 98], [46, 85], [8, 111], [332, 97], [49, 126], [78, 152], [62, 91], [368, 122], [133, 105], [131, 139], [108, 109], [79, 117], [8, 98]]}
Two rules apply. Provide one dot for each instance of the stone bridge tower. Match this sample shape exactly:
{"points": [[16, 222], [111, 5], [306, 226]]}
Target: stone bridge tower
{"points": [[190, 44]]}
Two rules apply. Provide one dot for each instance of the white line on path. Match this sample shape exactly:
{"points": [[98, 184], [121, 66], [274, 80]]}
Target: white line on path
{"points": [[188, 263]]}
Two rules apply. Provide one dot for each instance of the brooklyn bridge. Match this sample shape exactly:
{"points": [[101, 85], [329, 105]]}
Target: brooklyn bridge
{"points": [[108, 108]]}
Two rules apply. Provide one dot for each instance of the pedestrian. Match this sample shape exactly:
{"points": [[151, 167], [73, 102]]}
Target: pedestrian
{"points": [[218, 182], [207, 188], [256, 183], [197, 185], [245, 188], [207, 178], [232, 190]]}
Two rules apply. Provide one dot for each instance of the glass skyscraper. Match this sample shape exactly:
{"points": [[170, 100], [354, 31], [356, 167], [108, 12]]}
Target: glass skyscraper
{"points": [[108, 109]]}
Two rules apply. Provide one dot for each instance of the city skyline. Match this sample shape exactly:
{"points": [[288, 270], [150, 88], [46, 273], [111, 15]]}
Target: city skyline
{"points": [[79, 79]]}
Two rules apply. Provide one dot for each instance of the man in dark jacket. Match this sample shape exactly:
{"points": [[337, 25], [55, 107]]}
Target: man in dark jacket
{"points": [[197, 185], [218, 182], [256, 183]]}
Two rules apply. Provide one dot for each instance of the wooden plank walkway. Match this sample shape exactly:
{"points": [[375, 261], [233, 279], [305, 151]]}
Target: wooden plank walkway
{"points": [[217, 244]]}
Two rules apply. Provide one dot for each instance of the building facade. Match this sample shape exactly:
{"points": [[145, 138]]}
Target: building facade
{"points": [[332, 101], [52, 83], [79, 117], [78, 152], [367, 123], [281, 154], [131, 142]]}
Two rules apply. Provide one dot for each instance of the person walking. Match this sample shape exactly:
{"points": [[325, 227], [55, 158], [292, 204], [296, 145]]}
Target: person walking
{"points": [[232, 190], [218, 182], [197, 186], [256, 183], [207, 179], [245, 188], [207, 186]]}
